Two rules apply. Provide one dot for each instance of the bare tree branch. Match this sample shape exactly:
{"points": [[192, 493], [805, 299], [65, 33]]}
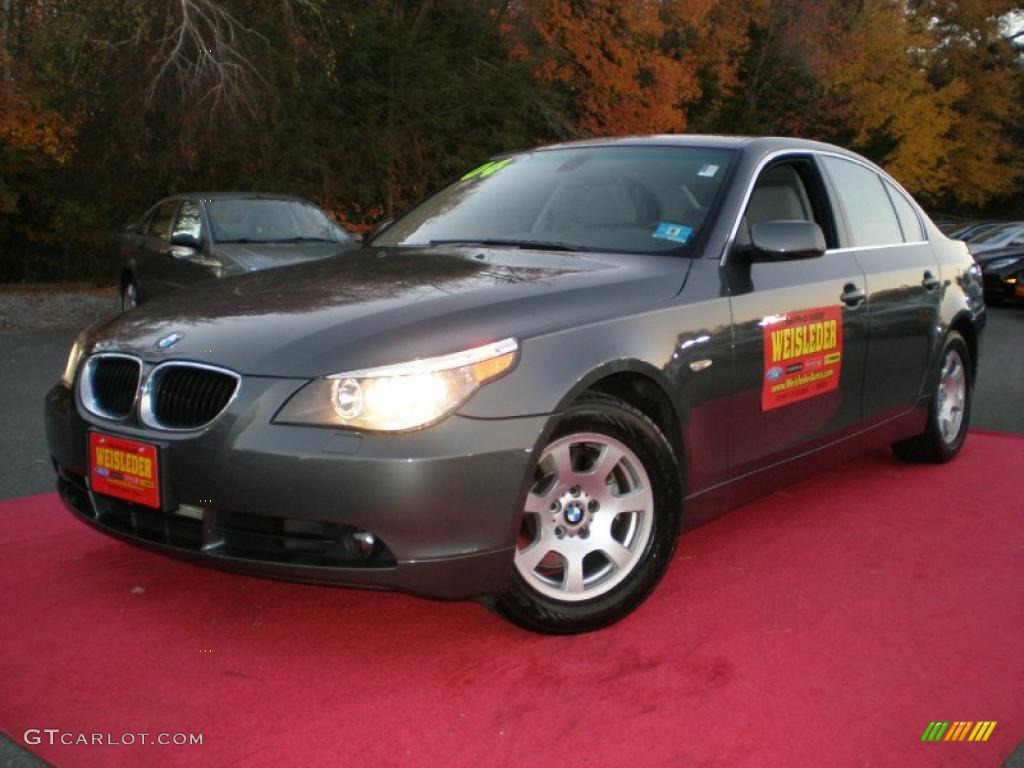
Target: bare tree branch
{"points": [[204, 56]]}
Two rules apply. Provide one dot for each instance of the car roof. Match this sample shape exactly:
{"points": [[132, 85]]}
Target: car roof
{"points": [[757, 144]]}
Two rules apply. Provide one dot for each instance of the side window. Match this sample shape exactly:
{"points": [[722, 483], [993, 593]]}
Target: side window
{"points": [[160, 223], [869, 213], [790, 191], [143, 226], [909, 222], [189, 221]]}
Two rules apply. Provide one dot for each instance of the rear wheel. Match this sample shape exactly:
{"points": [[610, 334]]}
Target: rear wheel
{"points": [[600, 521], [950, 409]]}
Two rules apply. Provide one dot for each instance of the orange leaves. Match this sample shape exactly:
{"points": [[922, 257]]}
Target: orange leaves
{"points": [[610, 57], [27, 127]]}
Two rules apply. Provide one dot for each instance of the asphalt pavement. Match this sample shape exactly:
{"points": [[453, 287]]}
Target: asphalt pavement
{"points": [[32, 361]]}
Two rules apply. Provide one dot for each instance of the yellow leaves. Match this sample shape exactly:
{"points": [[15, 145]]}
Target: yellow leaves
{"points": [[872, 65]]}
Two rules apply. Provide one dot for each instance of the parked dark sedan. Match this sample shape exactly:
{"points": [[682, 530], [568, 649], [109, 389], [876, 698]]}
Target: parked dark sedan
{"points": [[197, 236], [1001, 272], [524, 388]]}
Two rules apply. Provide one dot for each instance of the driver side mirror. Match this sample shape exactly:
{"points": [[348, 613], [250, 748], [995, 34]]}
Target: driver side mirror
{"points": [[187, 240], [786, 240]]}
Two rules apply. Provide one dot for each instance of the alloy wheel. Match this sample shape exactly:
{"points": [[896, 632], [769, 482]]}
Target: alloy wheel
{"points": [[952, 394], [587, 519]]}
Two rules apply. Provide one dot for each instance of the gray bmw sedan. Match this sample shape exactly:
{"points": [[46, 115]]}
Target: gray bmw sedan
{"points": [[526, 387]]}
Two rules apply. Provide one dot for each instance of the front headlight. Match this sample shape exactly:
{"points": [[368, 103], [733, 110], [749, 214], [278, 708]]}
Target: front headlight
{"points": [[74, 358], [397, 398], [1000, 263]]}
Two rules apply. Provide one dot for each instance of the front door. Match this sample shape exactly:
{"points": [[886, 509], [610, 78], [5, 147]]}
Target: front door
{"points": [[156, 263], [800, 329], [186, 264]]}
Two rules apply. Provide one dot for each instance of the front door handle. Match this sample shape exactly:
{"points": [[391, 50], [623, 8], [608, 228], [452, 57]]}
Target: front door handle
{"points": [[852, 295], [930, 282]]}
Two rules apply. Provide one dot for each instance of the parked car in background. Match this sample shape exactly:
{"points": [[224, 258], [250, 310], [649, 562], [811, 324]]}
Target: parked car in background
{"points": [[1002, 270], [187, 238], [1008, 234], [965, 232]]}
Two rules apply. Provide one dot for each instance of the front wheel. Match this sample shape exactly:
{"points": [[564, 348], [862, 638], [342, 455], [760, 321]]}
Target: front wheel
{"points": [[600, 521], [950, 409]]}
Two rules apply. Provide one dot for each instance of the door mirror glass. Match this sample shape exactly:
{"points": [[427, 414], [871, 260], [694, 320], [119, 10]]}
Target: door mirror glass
{"points": [[786, 240], [186, 240]]}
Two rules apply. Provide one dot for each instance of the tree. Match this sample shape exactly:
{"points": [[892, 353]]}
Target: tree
{"points": [[970, 47], [613, 66]]}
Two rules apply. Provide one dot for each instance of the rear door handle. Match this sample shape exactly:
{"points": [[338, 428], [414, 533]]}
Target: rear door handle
{"points": [[852, 295], [929, 281]]}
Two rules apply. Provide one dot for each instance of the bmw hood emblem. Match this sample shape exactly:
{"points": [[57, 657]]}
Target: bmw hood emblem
{"points": [[169, 340]]}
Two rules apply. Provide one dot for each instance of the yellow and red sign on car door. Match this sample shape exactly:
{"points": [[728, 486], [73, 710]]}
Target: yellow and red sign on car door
{"points": [[123, 468], [802, 355]]}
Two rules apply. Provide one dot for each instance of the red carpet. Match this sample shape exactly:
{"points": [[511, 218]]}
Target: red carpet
{"points": [[826, 625]]}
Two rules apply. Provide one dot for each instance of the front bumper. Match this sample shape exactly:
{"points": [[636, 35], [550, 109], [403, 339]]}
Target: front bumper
{"points": [[278, 500]]}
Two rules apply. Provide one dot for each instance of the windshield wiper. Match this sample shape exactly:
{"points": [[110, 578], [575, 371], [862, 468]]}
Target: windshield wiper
{"points": [[301, 239], [279, 240], [542, 245]]}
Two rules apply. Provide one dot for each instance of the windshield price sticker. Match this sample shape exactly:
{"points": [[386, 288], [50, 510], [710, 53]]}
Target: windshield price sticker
{"points": [[802, 356]]}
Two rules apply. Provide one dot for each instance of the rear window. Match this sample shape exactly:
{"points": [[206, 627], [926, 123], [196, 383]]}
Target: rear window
{"points": [[870, 215], [909, 221]]}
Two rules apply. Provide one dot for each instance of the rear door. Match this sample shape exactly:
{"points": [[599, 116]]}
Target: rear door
{"points": [[885, 233], [800, 328]]}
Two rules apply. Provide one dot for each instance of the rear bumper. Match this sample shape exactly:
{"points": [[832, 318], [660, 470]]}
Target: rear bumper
{"points": [[280, 501]]}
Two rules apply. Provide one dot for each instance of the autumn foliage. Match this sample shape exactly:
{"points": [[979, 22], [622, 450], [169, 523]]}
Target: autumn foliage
{"points": [[106, 105]]}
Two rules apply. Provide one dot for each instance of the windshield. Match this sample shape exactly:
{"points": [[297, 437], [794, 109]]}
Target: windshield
{"points": [[254, 220], [635, 199]]}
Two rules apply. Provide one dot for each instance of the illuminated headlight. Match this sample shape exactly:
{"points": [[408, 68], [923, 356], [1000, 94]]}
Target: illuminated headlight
{"points": [[74, 358], [397, 398]]}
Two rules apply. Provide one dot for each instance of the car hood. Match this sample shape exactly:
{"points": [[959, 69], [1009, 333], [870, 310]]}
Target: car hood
{"points": [[252, 257], [372, 307]]}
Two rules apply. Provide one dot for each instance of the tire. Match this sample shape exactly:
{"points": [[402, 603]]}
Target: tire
{"points": [[585, 557], [950, 410], [129, 294]]}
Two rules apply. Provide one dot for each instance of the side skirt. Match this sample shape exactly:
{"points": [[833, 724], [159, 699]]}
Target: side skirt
{"points": [[713, 502]]}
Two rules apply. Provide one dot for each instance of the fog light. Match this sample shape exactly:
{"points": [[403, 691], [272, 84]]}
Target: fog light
{"points": [[363, 543]]}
